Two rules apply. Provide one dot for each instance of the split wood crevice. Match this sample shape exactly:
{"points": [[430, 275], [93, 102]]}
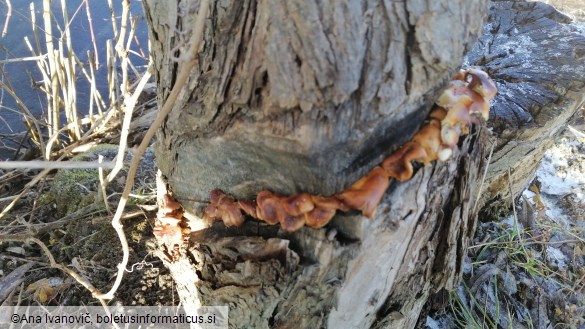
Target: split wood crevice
{"points": [[464, 102]]}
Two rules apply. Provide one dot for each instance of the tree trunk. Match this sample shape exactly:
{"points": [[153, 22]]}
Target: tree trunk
{"points": [[308, 96]]}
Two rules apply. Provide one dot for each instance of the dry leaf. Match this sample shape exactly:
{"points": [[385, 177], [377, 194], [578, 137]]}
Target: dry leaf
{"points": [[77, 265], [16, 250], [534, 189], [45, 290]]}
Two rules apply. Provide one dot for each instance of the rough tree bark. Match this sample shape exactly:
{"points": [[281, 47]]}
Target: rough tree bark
{"points": [[308, 96], [537, 57]]}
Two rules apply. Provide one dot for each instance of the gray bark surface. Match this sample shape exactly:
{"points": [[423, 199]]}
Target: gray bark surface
{"points": [[307, 96], [537, 58], [303, 95]]}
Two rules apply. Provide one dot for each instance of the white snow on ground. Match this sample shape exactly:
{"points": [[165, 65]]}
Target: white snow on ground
{"points": [[558, 173], [561, 173], [432, 323], [556, 257]]}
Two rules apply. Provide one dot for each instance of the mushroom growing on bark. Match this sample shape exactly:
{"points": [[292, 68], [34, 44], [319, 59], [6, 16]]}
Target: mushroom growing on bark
{"points": [[464, 102]]}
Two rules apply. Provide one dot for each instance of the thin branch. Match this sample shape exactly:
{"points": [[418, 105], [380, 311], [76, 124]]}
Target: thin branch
{"points": [[8, 15], [55, 164], [103, 195], [576, 132], [23, 59], [95, 50], [53, 96], [129, 108], [81, 280], [184, 74], [24, 191], [485, 171]]}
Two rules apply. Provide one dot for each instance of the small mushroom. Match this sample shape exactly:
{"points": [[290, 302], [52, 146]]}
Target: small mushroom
{"points": [[248, 207], [225, 208], [398, 165], [366, 193], [429, 137], [319, 217], [292, 223], [269, 208], [482, 84], [170, 207], [298, 204]]}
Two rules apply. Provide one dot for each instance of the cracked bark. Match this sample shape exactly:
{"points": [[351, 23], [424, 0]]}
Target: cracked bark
{"points": [[307, 96], [536, 57]]}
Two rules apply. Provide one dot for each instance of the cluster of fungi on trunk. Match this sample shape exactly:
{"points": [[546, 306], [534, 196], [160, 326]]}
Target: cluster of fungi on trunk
{"points": [[465, 101]]}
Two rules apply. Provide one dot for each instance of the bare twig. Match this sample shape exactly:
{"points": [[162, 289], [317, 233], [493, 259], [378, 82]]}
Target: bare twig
{"points": [[28, 116], [95, 94], [54, 137], [577, 133], [512, 199], [182, 78], [23, 59], [8, 15], [129, 108], [41, 228], [120, 49], [113, 19], [485, 171], [33, 22], [53, 83], [55, 165], [69, 78], [92, 84], [95, 50], [103, 195], [129, 100], [81, 280], [112, 75]]}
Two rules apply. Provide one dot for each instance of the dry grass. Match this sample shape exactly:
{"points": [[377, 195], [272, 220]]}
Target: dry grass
{"points": [[526, 269], [54, 139]]}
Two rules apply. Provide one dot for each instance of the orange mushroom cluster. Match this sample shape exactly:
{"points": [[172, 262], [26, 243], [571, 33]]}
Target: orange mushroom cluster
{"points": [[465, 101], [170, 215]]}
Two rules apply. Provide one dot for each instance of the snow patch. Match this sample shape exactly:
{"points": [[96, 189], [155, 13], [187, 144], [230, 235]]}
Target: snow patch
{"points": [[557, 174], [556, 258], [520, 44]]}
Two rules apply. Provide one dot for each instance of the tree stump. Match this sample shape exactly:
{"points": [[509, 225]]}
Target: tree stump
{"points": [[536, 56]]}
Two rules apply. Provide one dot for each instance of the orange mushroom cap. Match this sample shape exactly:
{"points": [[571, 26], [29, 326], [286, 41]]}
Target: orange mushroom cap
{"points": [[269, 208], [298, 204], [482, 84], [319, 217], [366, 193]]}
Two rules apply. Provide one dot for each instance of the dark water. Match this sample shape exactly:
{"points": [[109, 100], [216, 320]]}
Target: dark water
{"points": [[21, 75]]}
